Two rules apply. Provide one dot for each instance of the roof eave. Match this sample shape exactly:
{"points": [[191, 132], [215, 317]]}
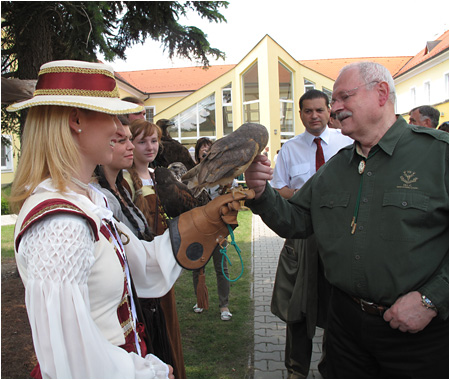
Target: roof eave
{"points": [[420, 64]]}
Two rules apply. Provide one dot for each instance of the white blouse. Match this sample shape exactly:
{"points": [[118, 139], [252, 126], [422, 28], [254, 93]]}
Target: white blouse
{"points": [[73, 288]]}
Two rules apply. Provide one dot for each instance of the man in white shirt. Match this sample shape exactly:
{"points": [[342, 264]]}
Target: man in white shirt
{"points": [[297, 157], [297, 161]]}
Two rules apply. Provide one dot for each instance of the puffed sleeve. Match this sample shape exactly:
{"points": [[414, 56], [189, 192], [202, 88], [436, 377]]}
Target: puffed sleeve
{"points": [[58, 253], [152, 263]]}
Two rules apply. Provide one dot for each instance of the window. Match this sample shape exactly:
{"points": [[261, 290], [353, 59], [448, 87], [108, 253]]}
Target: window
{"points": [[7, 153], [309, 85], [427, 92], [250, 87], [197, 121], [286, 101], [227, 110], [412, 97], [328, 92], [150, 113]]}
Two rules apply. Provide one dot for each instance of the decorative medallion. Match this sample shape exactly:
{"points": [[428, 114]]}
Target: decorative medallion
{"points": [[361, 167]]}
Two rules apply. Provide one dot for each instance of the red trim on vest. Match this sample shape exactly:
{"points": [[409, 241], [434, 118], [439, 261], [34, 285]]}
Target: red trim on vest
{"points": [[51, 207], [124, 313], [124, 310]]}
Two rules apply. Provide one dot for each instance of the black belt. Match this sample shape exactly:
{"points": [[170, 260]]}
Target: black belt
{"points": [[370, 307]]}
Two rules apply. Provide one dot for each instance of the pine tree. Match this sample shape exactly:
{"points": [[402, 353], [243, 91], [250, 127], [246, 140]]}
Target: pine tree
{"points": [[36, 32]]}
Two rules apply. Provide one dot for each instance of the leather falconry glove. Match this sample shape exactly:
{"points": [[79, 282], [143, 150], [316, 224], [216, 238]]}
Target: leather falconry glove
{"points": [[196, 233]]}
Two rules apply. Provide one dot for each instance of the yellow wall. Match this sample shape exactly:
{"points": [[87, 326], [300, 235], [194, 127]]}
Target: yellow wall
{"points": [[8, 176], [439, 99], [161, 104], [444, 110]]}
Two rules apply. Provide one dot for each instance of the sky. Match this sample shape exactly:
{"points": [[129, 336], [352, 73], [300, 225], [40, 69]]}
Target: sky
{"points": [[309, 29]]}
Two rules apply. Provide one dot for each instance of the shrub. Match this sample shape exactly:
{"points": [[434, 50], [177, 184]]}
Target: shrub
{"points": [[5, 206]]}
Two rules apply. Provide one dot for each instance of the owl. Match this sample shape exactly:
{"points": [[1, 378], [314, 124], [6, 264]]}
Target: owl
{"points": [[228, 158]]}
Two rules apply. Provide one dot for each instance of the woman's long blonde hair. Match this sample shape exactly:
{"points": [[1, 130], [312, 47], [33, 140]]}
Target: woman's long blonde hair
{"points": [[48, 151]]}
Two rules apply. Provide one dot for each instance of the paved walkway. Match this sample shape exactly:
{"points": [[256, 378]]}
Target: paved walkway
{"points": [[270, 331], [8, 219]]}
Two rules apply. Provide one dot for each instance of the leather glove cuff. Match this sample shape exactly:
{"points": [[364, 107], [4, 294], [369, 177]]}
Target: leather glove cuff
{"points": [[196, 233]]}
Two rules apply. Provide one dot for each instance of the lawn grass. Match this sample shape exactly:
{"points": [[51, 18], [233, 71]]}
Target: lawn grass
{"points": [[7, 241], [215, 349]]}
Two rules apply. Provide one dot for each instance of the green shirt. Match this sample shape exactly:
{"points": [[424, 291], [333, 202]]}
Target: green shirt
{"points": [[400, 243]]}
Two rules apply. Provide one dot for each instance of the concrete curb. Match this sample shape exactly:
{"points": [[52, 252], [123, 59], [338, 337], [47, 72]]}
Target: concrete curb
{"points": [[9, 219]]}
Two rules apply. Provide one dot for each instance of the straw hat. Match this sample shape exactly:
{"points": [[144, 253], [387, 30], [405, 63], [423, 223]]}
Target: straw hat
{"points": [[78, 84]]}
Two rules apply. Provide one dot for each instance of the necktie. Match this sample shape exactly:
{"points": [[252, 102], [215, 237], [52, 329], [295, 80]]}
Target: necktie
{"points": [[320, 159]]}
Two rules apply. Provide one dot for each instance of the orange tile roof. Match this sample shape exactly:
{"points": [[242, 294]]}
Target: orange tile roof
{"points": [[192, 78], [424, 55], [173, 80], [331, 67]]}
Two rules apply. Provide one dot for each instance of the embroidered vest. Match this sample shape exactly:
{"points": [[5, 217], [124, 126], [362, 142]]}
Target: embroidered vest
{"points": [[133, 333]]}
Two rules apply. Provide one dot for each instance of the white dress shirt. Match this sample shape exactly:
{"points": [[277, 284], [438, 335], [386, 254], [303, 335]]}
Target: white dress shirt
{"points": [[296, 161]]}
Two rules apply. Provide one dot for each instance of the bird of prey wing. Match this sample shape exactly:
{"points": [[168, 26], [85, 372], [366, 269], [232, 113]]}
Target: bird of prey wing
{"points": [[228, 157], [175, 197], [16, 90], [178, 169]]}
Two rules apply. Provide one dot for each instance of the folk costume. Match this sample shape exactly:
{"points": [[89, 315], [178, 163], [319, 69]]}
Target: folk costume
{"points": [[158, 219], [81, 318]]}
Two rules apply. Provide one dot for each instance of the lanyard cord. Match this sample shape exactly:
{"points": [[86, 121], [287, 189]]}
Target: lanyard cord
{"points": [[118, 244], [361, 168], [223, 251]]}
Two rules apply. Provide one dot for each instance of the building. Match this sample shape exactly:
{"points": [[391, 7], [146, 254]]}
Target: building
{"points": [[424, 80], [265, 87]]}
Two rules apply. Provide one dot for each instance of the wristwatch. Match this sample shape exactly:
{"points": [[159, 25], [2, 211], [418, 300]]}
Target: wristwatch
{"points": [[426, 302]]}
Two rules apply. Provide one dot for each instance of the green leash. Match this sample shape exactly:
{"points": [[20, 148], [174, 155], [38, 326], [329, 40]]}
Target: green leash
{"points": [[223, 251]]}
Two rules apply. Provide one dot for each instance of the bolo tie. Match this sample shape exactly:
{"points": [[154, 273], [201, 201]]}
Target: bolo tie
{"points": [[361, 168]]}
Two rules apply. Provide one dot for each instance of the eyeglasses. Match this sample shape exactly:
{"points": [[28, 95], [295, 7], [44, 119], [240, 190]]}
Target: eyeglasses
{"points": [[344, 95]]}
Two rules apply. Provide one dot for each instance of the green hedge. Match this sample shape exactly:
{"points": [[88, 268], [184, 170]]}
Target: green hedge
{"points": [[5, 206]]}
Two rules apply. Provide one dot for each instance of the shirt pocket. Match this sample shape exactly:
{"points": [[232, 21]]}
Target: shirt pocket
{"points": [[300, 170], [403, 215], [333, 210]]}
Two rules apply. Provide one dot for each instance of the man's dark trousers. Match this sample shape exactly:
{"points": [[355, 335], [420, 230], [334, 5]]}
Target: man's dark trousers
{"points": [[361, 345]]}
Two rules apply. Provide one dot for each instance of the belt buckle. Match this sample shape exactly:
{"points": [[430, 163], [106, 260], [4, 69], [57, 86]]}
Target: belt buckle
{"points": [[364, 303]]}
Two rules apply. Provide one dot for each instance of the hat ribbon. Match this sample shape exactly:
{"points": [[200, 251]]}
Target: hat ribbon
{"points": [[77, 82]]}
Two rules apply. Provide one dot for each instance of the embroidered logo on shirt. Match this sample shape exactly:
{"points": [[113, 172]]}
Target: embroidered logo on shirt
{"points": [[408, 178]]}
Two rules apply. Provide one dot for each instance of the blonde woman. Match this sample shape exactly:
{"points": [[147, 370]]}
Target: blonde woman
{"points": [[68, 247]]}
